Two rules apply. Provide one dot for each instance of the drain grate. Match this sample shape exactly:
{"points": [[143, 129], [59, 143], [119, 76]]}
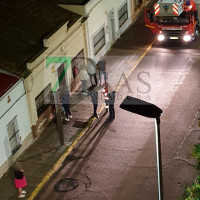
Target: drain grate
{"points": [[65, 185], [80, 124]]}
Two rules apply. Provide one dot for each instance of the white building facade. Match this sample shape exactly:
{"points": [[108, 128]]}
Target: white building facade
{"points": [[68, 44], [46, 61], [14, 123], [105, 22]]}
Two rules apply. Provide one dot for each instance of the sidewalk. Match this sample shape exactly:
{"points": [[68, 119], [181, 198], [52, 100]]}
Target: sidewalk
{"points": [[46, 155]]}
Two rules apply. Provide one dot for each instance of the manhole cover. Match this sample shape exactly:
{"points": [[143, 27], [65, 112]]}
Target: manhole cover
{"points": [[79, 124], [65, 185]]}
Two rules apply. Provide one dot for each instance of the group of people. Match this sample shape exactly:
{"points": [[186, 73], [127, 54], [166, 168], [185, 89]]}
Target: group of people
{"points": [[20, 180], [109, 102], [109, 96], [91, 73]]}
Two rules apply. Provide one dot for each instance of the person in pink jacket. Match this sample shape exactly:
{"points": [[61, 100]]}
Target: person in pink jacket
{"points": [[20, 180]]}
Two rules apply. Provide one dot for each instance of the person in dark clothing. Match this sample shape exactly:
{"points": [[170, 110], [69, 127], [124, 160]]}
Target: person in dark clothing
{"points": [[101, 65], [106, 105], [94, 98], [20, 180], [111, 106], [66, 104]]}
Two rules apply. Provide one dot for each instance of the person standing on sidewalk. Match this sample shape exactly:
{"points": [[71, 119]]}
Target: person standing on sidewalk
{"points": [[101, 65], [111, 106], [91, 67], [84, 77], [94, 98], [20, 180], [66, 104], [105, 94]]}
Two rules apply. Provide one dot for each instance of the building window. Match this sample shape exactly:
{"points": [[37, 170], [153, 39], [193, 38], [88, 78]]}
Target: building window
{"points": [[99, 41], [13, 135], [43, 100], [123, 15]]}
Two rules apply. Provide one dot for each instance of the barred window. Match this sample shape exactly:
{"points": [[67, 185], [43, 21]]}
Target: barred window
{"points": [[123, 15], [13, 135], [99, 41], [43, 100]]}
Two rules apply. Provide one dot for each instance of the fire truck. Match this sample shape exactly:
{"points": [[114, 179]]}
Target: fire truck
{"points": [[173, 20]]}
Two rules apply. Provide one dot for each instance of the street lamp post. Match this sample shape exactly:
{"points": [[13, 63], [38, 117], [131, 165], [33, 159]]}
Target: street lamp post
{"points": [[159, 159], [149, 110]]}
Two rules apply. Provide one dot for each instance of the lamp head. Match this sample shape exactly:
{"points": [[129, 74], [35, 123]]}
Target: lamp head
{"points": [[141, 107]]}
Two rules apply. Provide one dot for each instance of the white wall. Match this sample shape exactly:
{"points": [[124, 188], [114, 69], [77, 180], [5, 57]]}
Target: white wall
{"points": [[97, 12], [65, 42], [98, 17], [17, 107]]}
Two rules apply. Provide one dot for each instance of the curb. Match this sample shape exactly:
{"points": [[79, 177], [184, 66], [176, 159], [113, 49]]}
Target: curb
{"points": [[81, 134], [60, 160]]}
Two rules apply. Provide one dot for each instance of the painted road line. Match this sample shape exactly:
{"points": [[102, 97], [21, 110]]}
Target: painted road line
{"points": [[82, 133], [133, 68]]}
